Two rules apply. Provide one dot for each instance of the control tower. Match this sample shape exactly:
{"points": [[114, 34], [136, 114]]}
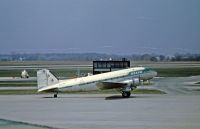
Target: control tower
{"points": [[103, 66]]}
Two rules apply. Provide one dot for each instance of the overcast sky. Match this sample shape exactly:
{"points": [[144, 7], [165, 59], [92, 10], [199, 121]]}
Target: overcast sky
{"points": [[102, 26]]}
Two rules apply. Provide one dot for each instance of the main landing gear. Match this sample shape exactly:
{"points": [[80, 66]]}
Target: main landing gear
{"points": [[126, 94], [55, 95]]}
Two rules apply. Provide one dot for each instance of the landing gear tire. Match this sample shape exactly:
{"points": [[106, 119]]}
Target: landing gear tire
{"points": [[126, 94], [55, 95]]}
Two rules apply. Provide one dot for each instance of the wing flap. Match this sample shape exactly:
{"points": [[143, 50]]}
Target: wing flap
{"points": [[110, 85]]}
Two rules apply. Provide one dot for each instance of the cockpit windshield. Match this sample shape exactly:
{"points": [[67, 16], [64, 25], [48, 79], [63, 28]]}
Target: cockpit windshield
{"points": [[148, 69]]}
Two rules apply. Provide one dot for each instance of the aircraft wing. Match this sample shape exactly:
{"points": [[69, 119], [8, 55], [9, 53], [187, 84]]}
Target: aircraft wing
{"points": [[110, 85]]}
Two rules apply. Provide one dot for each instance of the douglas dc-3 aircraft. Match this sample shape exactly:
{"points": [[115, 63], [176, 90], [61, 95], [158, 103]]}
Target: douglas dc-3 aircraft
{"points": [[125, 80]]}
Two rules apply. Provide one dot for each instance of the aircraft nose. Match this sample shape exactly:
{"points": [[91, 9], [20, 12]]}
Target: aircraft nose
{"points": [[155, 73]]}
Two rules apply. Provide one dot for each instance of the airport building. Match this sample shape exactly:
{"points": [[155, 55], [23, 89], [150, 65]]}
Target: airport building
{"points": [[103, 66]]}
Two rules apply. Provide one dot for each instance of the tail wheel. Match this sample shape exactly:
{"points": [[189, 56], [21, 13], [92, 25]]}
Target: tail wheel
{"points": [[126, 94]]}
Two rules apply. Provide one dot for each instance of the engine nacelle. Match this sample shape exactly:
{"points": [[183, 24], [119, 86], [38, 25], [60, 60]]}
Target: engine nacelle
{"points": [[136, 81], [133, 83]]}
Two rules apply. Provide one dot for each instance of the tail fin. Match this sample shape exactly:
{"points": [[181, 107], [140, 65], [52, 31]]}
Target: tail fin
{"points": [[45, 78]]}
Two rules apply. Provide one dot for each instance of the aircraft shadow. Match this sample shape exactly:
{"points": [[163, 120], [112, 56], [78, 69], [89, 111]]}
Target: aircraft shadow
{"points": [[70, 97], [49, 97], [117, 97], [114, 97]]}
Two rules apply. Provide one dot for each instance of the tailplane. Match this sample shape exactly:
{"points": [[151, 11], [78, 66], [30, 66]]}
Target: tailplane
{"points": [[45, 78]]}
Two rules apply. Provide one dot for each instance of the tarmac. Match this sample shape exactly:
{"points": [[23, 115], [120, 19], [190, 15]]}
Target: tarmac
{"points": [[17, 79], [103, 111], [176, 85], [178, 109]]}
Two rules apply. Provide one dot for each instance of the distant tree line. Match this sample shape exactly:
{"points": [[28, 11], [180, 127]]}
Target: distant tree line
{"points": [[96, 56]]}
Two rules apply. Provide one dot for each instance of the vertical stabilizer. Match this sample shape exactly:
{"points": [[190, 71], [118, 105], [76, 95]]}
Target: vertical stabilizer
{"points": [[45, 78]]}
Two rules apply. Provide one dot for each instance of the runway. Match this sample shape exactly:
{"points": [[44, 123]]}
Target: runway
{"points": [[104, 111]]}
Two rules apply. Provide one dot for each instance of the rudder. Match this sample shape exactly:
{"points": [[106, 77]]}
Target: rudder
{"points": [[45, 78]]}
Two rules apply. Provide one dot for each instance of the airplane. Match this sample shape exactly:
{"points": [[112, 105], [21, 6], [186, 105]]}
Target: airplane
{"points": [[124, 80], [24, 74]]}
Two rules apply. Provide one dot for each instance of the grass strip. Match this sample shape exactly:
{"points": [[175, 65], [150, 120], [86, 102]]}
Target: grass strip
{"points": [[17, 92], [177, 72], [17, 84]]}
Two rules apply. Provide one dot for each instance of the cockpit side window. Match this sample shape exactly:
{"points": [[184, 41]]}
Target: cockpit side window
{"points": [[147, 69]]}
